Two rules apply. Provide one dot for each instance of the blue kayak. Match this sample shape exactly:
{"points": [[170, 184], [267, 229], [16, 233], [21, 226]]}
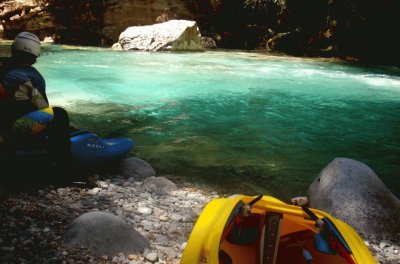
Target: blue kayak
{"points": [[88, 148]]}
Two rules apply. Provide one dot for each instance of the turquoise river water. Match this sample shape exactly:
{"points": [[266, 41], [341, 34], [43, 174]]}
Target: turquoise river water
{"points": [[241, 122]]}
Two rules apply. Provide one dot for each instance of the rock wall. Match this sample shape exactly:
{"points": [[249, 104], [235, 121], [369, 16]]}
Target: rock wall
{"points": [[87, 22], [29, 15], [77, 22], [121, 14], [94, 22], [348, 29]]}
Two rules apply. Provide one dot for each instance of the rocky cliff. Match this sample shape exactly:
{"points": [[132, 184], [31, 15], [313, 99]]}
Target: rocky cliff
{"points": [[88, 22], [118, 15], [29, 15], [342, 28]]}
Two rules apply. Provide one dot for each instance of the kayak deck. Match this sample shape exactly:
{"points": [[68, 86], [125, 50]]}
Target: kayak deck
{"points": [[271, 232], [269, 238]]}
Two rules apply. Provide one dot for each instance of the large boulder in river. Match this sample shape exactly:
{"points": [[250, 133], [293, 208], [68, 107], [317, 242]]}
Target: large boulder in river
{"points": [[105, 234], [351, 191], [176, 35]]}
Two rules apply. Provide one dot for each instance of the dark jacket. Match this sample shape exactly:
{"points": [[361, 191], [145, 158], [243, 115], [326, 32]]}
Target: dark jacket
{"points": [[22, 90]]}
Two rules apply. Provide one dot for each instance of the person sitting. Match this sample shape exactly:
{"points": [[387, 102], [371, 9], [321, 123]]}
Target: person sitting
{"points": [[26, 119]]}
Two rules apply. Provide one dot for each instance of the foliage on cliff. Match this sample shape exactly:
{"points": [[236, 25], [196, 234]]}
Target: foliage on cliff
{"points": [[80, 22], [360, 30], [356, 30]]}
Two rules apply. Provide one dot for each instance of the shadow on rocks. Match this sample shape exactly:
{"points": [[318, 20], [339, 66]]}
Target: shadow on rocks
{"points": [[36, 172]]}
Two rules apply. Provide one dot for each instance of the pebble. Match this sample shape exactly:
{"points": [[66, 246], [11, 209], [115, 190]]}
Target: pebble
{"points": [[36, 222], [152, 256], [175, 217], [183, 246], [132, 256], [14, 209], [164, 220], [144, 210], [94, 191], [9, 249], [384, 249]]}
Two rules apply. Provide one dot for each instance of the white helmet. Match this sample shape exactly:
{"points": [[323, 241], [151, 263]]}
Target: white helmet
{"points": [[27, 42]]}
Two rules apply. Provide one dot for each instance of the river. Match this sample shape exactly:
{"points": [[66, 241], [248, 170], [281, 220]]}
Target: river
{"points": [[240, 122]]}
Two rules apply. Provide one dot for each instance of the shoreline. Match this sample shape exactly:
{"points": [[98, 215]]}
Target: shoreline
{"points": [[37, 219]]}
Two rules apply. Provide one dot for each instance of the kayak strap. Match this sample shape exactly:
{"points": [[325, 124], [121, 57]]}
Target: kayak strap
{"points": [[273, 222]]}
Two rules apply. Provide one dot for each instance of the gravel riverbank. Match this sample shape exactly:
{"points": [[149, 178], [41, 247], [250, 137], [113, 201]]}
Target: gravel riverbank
{"points": [[33, 222]]}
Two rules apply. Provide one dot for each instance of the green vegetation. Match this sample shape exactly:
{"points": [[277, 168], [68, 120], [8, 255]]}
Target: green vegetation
{"points": [[363, 30]]}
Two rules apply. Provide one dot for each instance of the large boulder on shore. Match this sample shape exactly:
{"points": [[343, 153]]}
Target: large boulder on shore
{"points": [[105, 234], [136, 168], [159, 185], [176, 35], [351, 191]]}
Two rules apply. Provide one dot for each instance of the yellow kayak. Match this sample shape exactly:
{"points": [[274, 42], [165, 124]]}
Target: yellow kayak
{"points": [[264, 230]]}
